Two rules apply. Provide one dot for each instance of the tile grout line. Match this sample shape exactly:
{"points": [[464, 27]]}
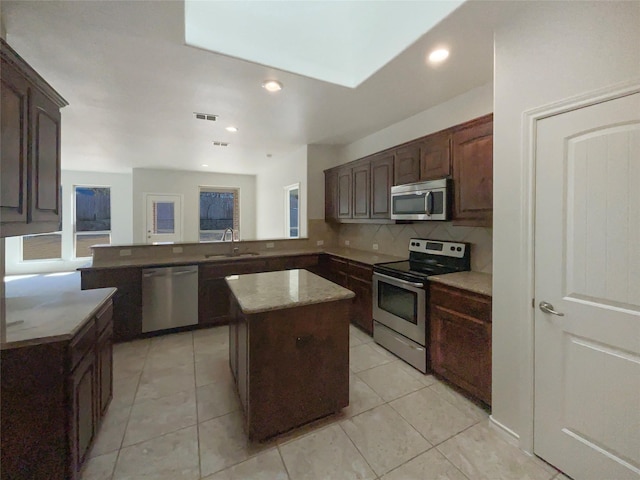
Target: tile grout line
{"points": [[284, 464], [358, 450]]}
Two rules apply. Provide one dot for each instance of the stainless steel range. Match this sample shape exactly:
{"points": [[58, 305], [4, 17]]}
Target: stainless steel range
{"points": [[400, 296]]}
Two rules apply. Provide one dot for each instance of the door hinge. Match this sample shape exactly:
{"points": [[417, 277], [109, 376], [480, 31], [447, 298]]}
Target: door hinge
{"points": [[533, 303]]}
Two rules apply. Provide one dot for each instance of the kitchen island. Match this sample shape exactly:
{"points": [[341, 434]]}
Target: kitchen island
{"points": [[288, 349]]}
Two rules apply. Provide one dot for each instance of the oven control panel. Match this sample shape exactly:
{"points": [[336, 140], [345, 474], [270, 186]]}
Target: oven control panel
{"points": [[438, 247]]}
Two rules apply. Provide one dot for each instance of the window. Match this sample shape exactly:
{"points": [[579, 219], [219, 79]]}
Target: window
{"points": [[93, 219], [42, 247], [219, 210], [292, 211]]}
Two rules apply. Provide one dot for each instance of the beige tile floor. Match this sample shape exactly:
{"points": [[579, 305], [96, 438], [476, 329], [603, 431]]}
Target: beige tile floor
{"points": [[175, 416]]}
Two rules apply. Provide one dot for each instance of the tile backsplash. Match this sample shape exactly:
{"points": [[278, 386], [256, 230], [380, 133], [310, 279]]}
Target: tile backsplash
{"points": [[394, 239]]}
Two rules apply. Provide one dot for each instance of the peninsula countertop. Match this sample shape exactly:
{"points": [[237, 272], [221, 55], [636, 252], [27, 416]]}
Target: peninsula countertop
{"points": [[149, 260], [54, 315], [262, 292]]}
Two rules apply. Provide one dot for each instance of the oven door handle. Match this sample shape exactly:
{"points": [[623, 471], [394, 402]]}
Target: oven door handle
{"points": [[404, 282]]}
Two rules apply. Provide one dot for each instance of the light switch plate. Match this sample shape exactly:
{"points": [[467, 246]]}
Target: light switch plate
{"points": [[375, 246], [270, 245], [125, 252], [346, 243], [319, 243], [177, 249]]}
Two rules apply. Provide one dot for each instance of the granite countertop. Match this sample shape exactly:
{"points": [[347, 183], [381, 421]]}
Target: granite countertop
{"points": [[476, 282], [369, 258], [55, 314], [262, 292]]}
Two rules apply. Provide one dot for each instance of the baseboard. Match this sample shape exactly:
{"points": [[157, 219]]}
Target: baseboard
{"points": [[505, 432]]}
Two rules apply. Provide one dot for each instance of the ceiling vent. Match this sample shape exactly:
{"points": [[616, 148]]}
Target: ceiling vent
{"points": [[220, 144], [205, 116]]}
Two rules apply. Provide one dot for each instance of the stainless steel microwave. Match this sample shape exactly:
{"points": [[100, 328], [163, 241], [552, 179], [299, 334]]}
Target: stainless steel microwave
{"points": [[421, 201]]}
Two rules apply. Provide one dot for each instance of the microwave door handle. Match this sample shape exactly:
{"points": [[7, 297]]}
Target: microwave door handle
{"points": [[428, 203]]}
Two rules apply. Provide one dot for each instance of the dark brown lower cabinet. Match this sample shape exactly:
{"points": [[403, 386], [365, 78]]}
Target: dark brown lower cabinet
{"points": [[461, 338], [127, 301], [290, 366], [355, 276], [54, 397]]}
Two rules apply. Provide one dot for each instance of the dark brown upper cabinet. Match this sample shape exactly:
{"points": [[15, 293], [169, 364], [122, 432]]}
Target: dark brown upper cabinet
{"points": [[361, 187], [359, 191], [30, 162], [381, 182], [331, 195], [344, 199], [472, 146], [435, 156], [407, 164]]}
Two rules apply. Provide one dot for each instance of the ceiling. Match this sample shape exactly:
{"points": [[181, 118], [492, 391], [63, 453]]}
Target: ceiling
{"points": [[341, 42], [132, 86]]}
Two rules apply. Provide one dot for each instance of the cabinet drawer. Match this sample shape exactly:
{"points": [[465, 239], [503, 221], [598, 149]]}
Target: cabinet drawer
{"points": [[82, 342], [462, 301], [104, 317], [361, 271]]}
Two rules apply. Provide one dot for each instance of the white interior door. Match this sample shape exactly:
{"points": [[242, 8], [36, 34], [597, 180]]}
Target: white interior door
{"points": [[587, 264], [164, 218]]}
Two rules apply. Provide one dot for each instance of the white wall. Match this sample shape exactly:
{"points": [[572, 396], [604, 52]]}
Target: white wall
{"points": [[549, 52], [121, 222], [319, 158], [187, 183], [469, 105], [270, 194]]}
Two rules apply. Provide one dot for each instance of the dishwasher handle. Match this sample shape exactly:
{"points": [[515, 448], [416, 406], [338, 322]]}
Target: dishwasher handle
{"points": [[184, 272]]}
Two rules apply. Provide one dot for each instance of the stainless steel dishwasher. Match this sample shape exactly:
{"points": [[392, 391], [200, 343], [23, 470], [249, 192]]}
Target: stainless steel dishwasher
{"points": [[169, 297]]}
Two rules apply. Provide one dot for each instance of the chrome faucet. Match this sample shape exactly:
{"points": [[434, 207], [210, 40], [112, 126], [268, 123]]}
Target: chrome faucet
{"points": [[234, 250]]}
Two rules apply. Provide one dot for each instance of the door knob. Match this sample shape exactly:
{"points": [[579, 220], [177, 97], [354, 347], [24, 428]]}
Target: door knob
{"points": [[546, 307]]}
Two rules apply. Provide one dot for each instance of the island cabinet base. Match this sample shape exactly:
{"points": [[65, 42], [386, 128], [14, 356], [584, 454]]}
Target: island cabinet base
{"points": [[291, 366]]}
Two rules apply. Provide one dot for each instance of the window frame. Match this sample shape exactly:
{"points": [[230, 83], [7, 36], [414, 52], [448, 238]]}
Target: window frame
{"points": [[287, 209], [236, 211], [36, 260], [75, 232]]}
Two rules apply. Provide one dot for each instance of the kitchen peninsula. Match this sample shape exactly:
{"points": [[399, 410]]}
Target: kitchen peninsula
{"points": [[288, 348]]}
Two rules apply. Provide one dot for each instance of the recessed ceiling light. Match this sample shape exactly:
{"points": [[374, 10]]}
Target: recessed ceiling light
{"points": [[231, 129], [272, 86], [205, 165], [438, 55]]}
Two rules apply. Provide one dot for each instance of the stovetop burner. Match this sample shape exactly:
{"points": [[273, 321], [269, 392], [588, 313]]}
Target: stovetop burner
{"points": [[428, 257]]}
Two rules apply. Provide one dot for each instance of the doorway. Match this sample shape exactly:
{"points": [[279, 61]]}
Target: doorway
{"points": [[587, 290], [164, 218]]}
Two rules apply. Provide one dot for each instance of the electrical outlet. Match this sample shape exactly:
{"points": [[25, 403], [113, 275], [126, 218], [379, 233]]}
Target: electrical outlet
{"points": [[125, 252], [177, 249], [270, 245], [346, 243], [319, 243], [375, 246]]}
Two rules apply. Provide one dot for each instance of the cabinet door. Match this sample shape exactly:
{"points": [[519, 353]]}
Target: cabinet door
{"points": [[330, 195], [407, 164], [381, 181], [361, 184], [473, 173], [435, 157], [127, 312], [362, 311], [83, 401], [338, 271], [104, 355], [14, 114], [213, 301], [45, 168], [344, 193]]}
